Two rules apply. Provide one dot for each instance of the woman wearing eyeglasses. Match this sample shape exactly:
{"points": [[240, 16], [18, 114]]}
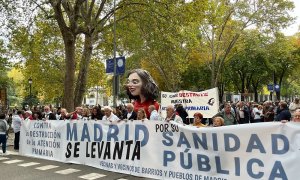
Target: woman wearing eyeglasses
{"points": [[142, 89], [296, 117]]}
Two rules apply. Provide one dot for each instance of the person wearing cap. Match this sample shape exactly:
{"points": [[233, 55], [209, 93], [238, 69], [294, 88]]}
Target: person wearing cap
{"points": [[109, 115], [28, 115], [294, 106]]}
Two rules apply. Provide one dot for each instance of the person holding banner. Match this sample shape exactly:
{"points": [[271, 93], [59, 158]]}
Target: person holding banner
{"points": [[153, 113], [130, 114], [198, 120], [141, 114], [48, 115], [142, 89], [218, 121], [172, 116], [63, 114], [109, 115], [296, 117], [96, 113]]}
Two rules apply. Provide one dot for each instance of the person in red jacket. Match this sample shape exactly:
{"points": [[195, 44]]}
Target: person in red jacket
{"points": [[142, 89]]}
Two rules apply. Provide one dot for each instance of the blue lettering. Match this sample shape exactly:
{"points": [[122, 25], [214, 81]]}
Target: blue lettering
{"points": [[183, 140], [202, 142], [168, 140], [255, 143], [215, 141], [281, 174], [72, 133], [219, 168], [250, 163], [236, 141], [237, 166], [168, 157], [203, 163], [145, 132], [112, 133], [126, 132], [275, 146], [98, 128], [85, 133]]}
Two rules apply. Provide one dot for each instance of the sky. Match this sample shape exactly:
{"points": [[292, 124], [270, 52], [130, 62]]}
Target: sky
{"points": [[291, 30]]}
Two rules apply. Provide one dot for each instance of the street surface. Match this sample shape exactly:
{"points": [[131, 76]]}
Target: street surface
{"points": [[16, 167]]}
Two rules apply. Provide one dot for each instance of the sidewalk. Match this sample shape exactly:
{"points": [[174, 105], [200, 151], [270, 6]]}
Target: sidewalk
{"points": [[10, 140], [10, 145]]}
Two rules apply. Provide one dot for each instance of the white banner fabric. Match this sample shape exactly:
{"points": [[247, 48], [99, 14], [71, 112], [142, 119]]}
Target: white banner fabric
{"points": [[161, 150], [206, 102]]}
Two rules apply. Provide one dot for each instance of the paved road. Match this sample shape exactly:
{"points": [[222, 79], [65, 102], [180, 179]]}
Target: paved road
{"points": [[16, 167]]}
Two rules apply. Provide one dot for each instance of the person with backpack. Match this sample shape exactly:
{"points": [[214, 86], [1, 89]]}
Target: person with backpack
{"points": [[3, 131]]}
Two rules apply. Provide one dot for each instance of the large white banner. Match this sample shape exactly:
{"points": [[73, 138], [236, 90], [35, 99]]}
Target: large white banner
{"points": [[168, 150], [206, 102]]}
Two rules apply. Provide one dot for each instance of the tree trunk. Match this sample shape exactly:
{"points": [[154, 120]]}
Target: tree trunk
{"points": [[213, 75], [68, 99], [242, 87], [69, 38], [84, 66]]}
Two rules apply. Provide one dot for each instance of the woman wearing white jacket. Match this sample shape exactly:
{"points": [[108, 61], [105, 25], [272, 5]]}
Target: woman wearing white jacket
{"points": [[16, 124]]}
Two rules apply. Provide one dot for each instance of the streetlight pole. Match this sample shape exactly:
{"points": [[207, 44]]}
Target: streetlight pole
{"points": [[115, 77], [30, 83], [97, 95]]}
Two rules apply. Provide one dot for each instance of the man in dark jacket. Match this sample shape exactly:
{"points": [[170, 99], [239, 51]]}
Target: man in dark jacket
{"points": [[284, 113], [48, 115], [130, 114]]}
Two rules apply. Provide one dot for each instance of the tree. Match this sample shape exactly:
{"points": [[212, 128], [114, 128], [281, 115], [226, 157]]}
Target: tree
{"points": [[158, 39], [249, 63], [227, 20], [42, 50], [283, 58]]}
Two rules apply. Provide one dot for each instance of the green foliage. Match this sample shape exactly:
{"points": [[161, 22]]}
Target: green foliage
{"points": [[249, 61], [4, 65], [43, 52], [227, 20], [189, 46], [31, 101], [156, 37]]}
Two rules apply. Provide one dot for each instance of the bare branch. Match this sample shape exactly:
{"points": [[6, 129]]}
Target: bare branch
{"points": [[40, 6], [89, 13], [100, 9]]}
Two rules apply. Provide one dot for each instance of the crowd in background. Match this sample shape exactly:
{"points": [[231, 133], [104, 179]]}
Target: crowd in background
{"points": [[229, 114], [232, 113], [142, 89]]}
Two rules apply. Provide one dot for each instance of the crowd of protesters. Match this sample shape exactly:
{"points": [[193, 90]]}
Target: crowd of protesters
{"points": [[142, 89], [252, 112], [229, 114]]}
